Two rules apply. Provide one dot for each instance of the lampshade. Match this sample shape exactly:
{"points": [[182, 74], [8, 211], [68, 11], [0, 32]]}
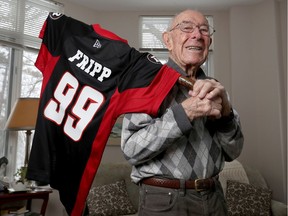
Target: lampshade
{"points": [[23, 115]]}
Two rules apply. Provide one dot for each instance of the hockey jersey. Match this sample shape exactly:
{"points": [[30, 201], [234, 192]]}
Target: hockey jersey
{"points": [[90, 77]]}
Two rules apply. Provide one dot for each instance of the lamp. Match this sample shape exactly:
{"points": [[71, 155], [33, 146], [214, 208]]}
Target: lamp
{"points": [[23, 117]]}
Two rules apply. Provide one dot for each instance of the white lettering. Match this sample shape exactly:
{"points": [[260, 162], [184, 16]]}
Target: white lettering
{"points": [[90, 66], [77, 56], [83, 63], [97, 69], [87, 70], [105, 74]]}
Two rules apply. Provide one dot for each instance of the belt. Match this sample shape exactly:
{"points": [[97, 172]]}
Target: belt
{"points": [[198, 184]]}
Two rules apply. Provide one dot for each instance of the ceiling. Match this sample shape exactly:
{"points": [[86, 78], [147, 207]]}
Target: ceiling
{"points": [[160, 5]]}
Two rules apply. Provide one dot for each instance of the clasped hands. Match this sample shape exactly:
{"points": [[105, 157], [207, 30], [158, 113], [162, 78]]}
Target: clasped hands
{"points": [[208, 98]]}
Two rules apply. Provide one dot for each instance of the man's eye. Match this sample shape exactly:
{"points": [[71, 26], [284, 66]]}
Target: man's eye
{"points": [[204, 29], [188, 27]]}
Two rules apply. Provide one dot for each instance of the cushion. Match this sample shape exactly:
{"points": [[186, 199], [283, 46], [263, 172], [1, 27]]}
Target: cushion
{"points": [[245, 199], [233, 170], [110, 200]]}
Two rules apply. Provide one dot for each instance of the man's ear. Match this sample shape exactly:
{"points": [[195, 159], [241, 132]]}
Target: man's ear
{"points": [[210, 41], [167, 40]]}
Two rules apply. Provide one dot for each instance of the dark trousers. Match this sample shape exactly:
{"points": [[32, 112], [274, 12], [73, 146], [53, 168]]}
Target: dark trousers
{"points": [[158, 201]]}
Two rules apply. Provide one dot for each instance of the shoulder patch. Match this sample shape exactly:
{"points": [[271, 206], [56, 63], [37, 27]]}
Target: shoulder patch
{"points": [[153, 59], [55, 16]]}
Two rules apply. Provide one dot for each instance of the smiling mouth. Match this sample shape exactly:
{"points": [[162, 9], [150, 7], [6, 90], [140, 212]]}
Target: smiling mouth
{"points": [[197, 48]]}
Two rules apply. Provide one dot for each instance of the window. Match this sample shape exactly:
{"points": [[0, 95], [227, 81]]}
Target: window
{"points": [[20, 24], [151, 29]]}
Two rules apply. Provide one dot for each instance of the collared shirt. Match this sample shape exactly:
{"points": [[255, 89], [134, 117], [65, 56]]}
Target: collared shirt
{"points": [[171, 146]]}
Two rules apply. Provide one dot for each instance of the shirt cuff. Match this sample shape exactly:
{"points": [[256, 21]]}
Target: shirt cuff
{"points": [[226, 123], [181, 118]]}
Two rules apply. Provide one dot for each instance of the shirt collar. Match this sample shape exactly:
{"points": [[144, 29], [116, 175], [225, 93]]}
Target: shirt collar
{"points": [[199, 74]]}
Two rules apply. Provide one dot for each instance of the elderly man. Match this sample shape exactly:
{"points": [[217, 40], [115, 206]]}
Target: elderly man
{"points": [[177, 155]]}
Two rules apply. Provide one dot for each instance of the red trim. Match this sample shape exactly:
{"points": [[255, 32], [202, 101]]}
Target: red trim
{"points": [[107, 34], [140, 99], [45, 62], [42, 31], [94, 160]]}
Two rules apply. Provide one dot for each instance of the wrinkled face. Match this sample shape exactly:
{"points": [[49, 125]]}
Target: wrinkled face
{"points": [[188, 49]]}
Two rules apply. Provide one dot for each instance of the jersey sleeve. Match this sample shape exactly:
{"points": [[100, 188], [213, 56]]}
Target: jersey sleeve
{"points": [[51, 35], [145, 84]]}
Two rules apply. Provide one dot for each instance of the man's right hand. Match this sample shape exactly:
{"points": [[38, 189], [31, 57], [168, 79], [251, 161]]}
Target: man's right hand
{"points": [[196, 107]]}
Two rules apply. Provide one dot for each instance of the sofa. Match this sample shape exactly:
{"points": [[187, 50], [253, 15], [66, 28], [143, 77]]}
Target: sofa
{"points": [[113, 193]]}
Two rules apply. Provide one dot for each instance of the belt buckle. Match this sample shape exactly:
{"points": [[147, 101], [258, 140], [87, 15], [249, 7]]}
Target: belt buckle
{"points": [[198, 185]]}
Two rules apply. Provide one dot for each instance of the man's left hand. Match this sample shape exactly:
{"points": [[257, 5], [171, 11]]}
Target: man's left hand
{"points": [[211, 89]]}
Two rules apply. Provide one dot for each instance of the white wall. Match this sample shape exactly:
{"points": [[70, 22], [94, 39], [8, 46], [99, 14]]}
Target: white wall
{"points": [[258, 90], [250, 62]]}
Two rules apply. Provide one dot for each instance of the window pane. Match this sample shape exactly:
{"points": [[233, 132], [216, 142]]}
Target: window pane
{"points": [[30, 87], [31, 77], [4, 85], [152, 29], [21, 21], [35, 15], [8, 19], [21, 143]]}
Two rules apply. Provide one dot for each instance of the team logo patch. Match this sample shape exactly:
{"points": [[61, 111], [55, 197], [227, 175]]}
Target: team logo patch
{"points": [[153, 59], [97, 44], [55, 16]]}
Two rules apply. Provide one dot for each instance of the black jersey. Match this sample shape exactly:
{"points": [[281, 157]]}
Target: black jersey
{"points": [[90, 77]]}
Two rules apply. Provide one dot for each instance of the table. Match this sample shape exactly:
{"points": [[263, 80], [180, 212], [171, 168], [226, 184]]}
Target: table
{"points": [[8, 197]]}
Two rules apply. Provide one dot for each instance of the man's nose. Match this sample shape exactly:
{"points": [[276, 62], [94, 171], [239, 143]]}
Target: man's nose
{"points": [[196, 33]]}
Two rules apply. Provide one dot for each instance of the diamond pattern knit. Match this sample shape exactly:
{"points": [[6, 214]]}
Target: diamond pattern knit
{"points": [[172, 146]]}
